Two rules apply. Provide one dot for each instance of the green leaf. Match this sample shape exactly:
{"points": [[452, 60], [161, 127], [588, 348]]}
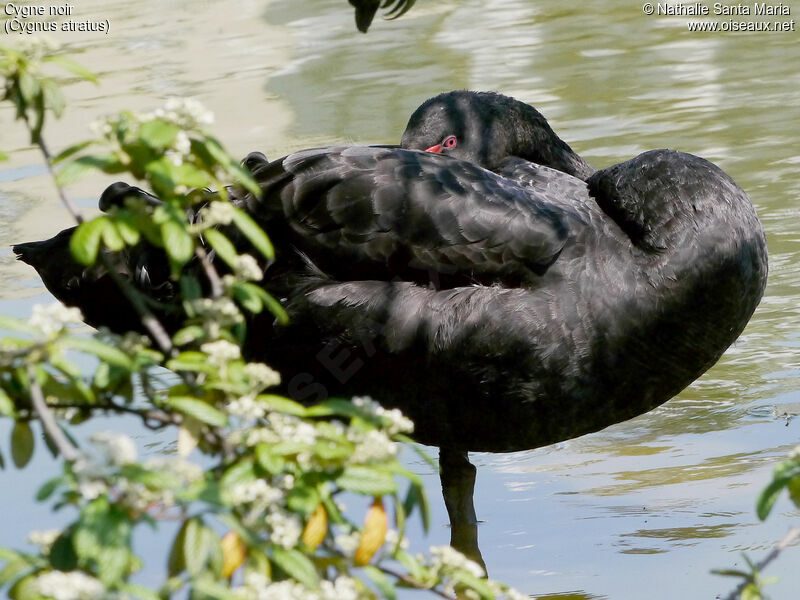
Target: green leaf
{"points": [[335, 406], [13, 324], [268, 460], [188, 335], [296, 565], [410, 563], [302, 499], [381, 581], [49, 486], [367, 480], [71, 151], [475, 583], [275, 307], [205, 587], [731, 573], [416, 447], [158, 133], [154, 480], [751, 592], [112, 238], [29, 88], [784, 473], [416, 497], [101, 350], [6, 405], [282, 405], [194, 549], [14, 570], [176, 563], [191, 361], [192, 177], [85, 241], [53, 98], [3, 156], [200, 410], [62, 553], [73, 67], [138, 591], [113, 563], [240, 472], [222, 246], [26, 588], [245, 296], [73, 171], [177, 241], [253, 232], [22, 444], [126, 227]]}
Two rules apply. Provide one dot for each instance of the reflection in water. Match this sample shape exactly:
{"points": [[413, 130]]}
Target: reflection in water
{"points": [[610, 80]]}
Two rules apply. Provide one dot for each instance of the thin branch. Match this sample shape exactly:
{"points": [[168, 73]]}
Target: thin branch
{"points": [[49, 162], [213, 277], [65, 447], [408, 580], [149, 320], [146, 414], [792, 535]]}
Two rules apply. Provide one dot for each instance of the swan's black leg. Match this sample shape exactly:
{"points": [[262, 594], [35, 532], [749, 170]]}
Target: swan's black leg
{"points": [[458, 485]]}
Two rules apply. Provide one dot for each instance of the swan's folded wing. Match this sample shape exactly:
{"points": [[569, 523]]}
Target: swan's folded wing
{"points": [[381, 205]]}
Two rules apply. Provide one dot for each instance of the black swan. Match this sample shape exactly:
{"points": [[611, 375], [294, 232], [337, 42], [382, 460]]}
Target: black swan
{"points": [[496, 287]]}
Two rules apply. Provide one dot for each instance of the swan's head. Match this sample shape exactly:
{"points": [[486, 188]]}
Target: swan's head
{"points": [[485, 128]]}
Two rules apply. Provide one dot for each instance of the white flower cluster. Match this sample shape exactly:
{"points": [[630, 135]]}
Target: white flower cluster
{"points": [[374, 446], [44, 539], [221, 352], [259, 587], [52, 319], [282, 428], [247, 267], [71, 585], [393, 539], [246, 407], [257, 492], [219, 312], [182, 474], [112, 450], [216, 213], [262, 375], [181, 149], [116, 448], [447, 561], [348, 542], [447, 558], [395, 421], [186, 113], [285, 527], [102, 127]]}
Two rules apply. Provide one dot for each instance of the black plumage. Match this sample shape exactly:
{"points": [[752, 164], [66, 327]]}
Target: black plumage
{"points": [[498, 289]]}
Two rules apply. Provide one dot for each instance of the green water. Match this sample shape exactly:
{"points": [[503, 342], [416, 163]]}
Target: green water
{"points": [[641, 510]]}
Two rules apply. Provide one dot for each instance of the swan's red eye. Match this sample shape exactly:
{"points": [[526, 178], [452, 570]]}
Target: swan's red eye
{"points": [[450, 142]]}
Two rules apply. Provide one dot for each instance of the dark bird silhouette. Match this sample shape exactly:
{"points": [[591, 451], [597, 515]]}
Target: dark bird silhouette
{"points": [[498, 289]]}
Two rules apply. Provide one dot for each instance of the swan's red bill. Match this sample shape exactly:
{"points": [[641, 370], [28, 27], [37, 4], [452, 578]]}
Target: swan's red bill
{"points": [[436, 148]]}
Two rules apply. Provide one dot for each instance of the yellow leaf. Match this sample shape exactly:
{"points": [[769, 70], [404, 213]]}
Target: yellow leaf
{"points": [[316, 528], [375, 526], [233, 551]]}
